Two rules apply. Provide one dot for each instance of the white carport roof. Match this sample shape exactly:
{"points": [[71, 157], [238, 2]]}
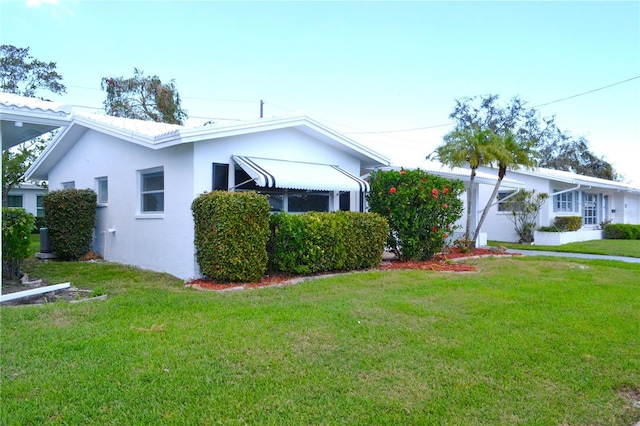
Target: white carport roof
{"points": [[23, 118]]}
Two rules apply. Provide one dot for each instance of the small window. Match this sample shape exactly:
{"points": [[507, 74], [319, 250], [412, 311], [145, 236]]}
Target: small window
{"points": [[40, 206], [14, 201], [345, 201], [220, 177], [307, 202], [152, 191], [102, 189], [563, 202], [69, 185], [505, 202]]}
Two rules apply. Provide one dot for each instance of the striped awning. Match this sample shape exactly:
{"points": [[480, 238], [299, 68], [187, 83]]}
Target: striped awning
{"points": [[272, 173]]}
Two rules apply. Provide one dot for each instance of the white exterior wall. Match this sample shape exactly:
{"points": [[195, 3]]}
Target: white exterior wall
{"points": [[161, 242], [283, 144]]}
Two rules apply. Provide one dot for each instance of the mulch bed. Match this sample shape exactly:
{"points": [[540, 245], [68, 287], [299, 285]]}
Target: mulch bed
{"points": [[442, 262]]}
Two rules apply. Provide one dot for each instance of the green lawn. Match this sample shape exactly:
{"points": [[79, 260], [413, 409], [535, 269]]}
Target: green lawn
{"points": [[520, 341], [629, 248]]}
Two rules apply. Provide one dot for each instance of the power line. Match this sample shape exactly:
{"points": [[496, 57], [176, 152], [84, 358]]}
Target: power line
{"points": [[586, 93]]}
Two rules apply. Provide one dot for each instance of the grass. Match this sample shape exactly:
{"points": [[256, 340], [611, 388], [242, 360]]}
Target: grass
{"points": [[629, 248], [521, 341]]}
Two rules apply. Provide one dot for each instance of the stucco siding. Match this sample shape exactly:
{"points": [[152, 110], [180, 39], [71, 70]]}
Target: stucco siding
{"points": [[161, 242]]}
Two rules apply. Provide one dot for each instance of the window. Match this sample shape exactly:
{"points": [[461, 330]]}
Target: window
{"points": [[590, 214], [507, 203], [288, 200], [69, 185], [152, 191], [40, 206], [14, 201], [102, 189], [563, 202], [220, 180], [345, 201], [300, 202]]}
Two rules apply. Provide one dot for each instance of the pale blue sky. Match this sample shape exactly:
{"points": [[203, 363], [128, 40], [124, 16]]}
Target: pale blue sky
{"points": [[356, 66]]}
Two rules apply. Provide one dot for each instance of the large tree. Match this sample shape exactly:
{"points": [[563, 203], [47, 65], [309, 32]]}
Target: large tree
{"points": [[510, 134], [23, 75], [143, 98]]}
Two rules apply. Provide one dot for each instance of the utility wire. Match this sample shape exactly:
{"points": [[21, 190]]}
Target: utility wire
{"points": [[586, 93]]}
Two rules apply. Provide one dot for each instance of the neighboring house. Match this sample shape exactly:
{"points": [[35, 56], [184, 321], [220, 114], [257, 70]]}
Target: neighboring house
{"points": [[29, 197], [596, 200], [146, 176]]}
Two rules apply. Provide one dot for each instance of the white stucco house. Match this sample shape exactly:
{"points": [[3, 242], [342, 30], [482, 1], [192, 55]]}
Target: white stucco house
{"points": [[29, 197], [595, 200], [147, 174]]}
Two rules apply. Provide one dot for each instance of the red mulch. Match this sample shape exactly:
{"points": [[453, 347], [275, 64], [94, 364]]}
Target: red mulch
{"points": [[438, 263]]}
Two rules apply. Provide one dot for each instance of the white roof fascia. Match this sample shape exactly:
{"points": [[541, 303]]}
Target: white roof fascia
{"points": [[573, 178], [197, 134]]}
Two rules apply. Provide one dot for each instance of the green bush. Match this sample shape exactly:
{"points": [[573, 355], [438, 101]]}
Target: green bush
{"points": [[551, 228], [71, 218], [319, 242], [16, 228], [568, 223], [621, 232], [40, 222], [421, 209], [231, 234]]}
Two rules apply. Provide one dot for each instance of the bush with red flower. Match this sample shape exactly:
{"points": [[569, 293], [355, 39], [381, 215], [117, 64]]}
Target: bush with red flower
{"points": [[421, 209]]}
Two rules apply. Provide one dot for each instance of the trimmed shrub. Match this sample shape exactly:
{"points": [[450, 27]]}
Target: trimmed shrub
{"points": [[568, 223], [320, 242], [621, 231], [16, 228], [71, 217], [421, 209], [231, 234], [551, 228]]}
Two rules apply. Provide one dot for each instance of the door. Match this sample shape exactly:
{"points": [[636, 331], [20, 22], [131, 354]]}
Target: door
{"points": [[590, 210]]}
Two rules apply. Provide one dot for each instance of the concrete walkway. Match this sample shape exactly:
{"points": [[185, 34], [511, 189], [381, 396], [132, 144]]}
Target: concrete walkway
{"points": [[578, 255]]}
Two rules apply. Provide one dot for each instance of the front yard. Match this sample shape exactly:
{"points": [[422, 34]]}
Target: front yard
{"points": [[520, 341]]}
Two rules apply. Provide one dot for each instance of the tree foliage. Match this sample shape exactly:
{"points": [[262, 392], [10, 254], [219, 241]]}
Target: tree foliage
{"points": [[16, 228], [144, 98], [421, 210], [573, 155], [24, 75]]}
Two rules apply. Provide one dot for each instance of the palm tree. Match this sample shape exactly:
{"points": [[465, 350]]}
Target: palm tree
{"points": [[473, 146], [511, 152]]}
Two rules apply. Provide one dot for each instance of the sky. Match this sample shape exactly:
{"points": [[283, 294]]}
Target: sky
{"points": [[386, 74]]}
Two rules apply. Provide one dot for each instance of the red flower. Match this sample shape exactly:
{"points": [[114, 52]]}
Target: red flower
{"points": [[445, 190], [424, 179], [445, 205], [434, 192], [392, 190], [402, 172], [446, 235], [435, 229]]}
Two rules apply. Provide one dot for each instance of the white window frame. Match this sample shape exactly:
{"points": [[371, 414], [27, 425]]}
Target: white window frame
{"points": [[102, 192], [141, 180], [39, 205], [562, 203], [69, 185]]}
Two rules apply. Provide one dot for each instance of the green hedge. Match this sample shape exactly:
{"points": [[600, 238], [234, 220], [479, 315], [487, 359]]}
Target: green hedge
{"points": [[16, 228], [568, 223], [622, 232], [320, 242], [231, 234], [71, 218]]}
